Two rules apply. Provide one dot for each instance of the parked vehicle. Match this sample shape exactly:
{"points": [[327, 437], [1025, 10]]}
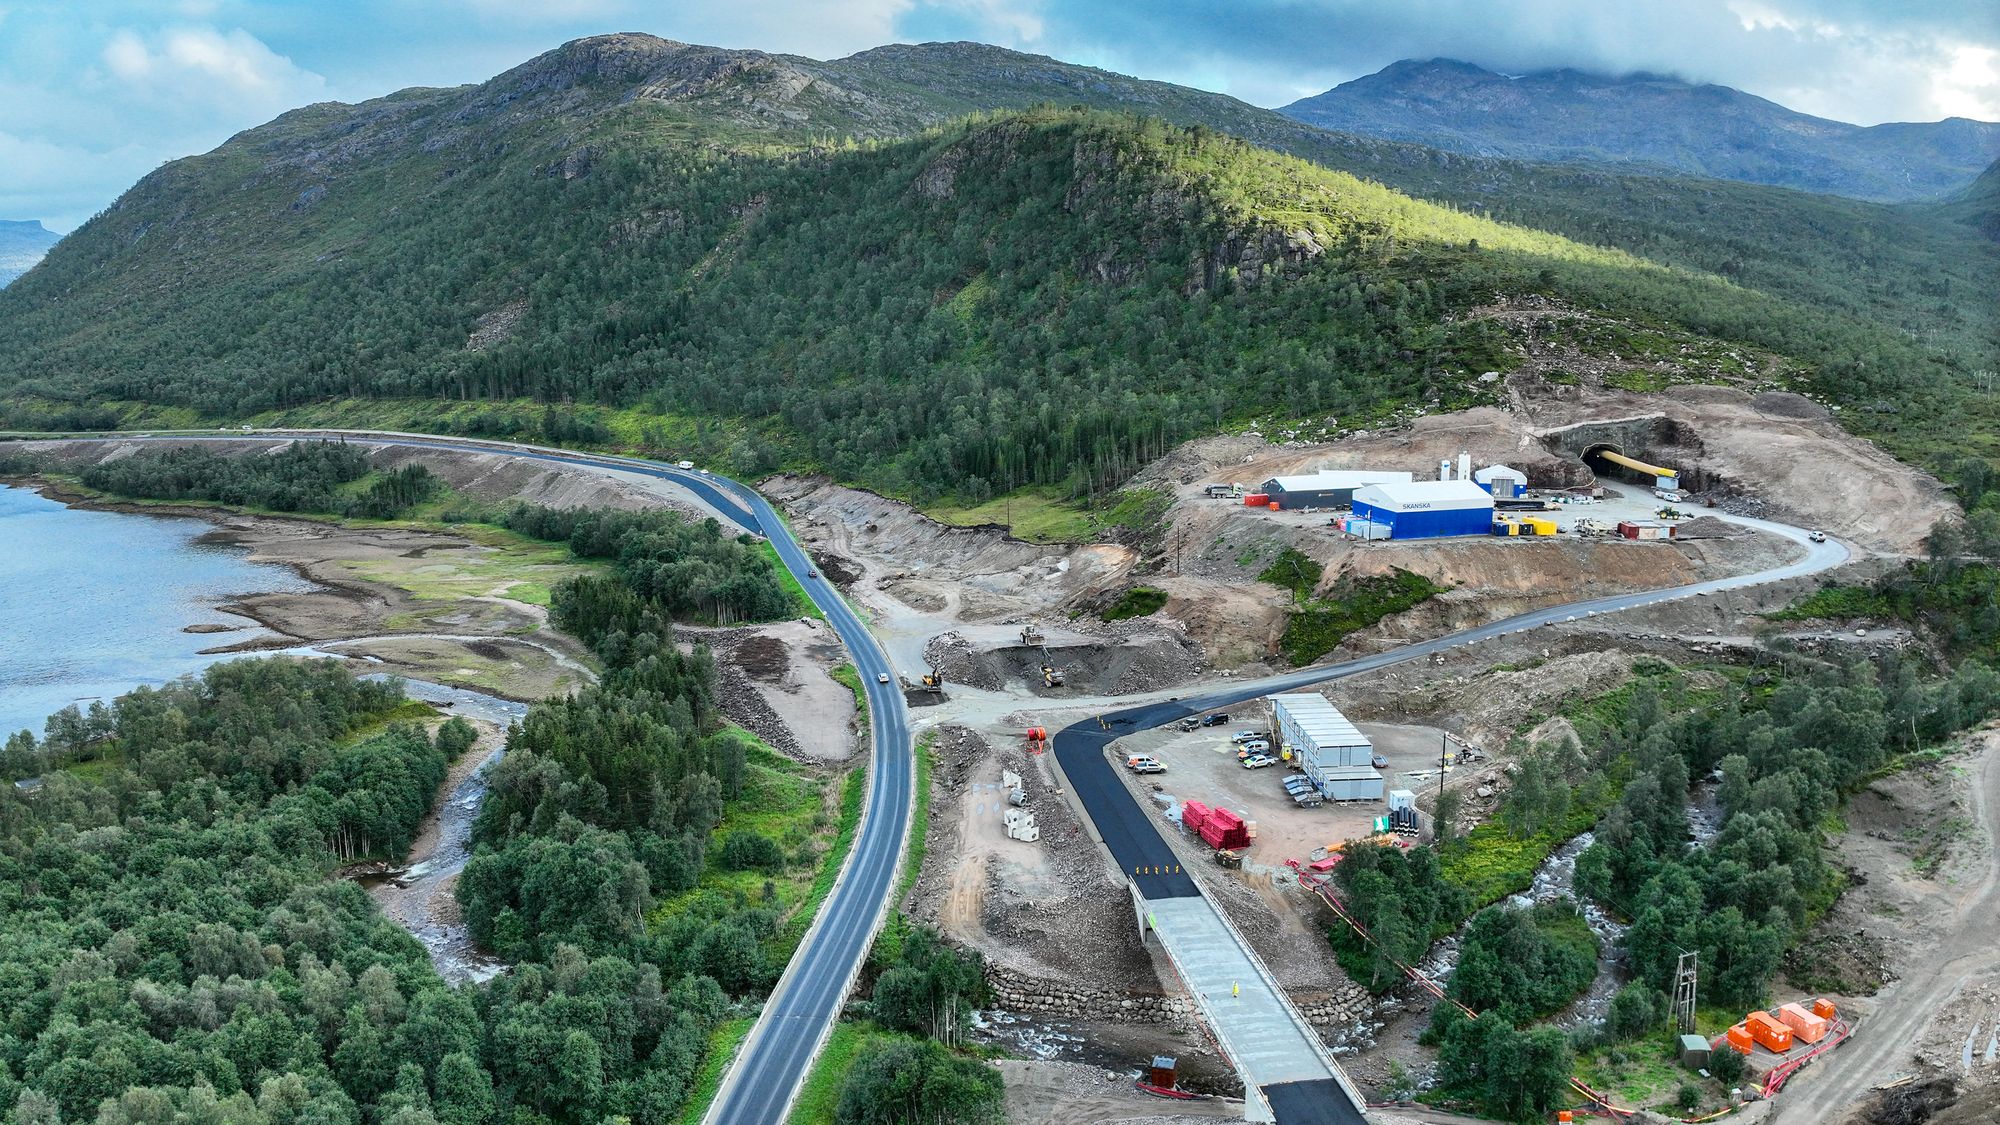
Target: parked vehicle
{"points": [[1190, 723], [1215, 720], [1255, 746], [1259, 761], [1379, 762], [1143, 763], [1246, 735]]}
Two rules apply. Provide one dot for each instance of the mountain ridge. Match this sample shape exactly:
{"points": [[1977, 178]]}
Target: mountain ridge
{"points": [[769, 249], [23, 242], [1642, 120]]}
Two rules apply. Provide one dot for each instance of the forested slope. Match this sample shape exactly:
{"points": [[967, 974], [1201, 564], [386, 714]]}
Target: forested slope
{"points": [[1044, 297]]}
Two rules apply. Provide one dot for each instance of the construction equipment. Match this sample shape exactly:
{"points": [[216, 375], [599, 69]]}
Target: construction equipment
{"points": [[1030, 635], [1228, 858], [1662, 477], [1051, 675], [933, 682], [1038, 739]]}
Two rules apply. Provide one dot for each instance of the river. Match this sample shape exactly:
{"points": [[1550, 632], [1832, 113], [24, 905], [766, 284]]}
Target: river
{"points": [[94, 604]]}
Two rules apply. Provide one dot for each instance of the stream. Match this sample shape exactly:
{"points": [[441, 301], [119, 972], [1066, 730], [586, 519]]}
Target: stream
{"points": [[418, 897]]}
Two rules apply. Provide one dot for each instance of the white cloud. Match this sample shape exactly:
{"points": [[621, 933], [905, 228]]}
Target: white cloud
{"points": [[209, 66], [1969, 84]]}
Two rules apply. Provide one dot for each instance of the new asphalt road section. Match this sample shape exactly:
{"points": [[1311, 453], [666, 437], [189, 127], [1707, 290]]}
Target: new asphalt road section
{"points": [[764, 1079], [1131, 833]]}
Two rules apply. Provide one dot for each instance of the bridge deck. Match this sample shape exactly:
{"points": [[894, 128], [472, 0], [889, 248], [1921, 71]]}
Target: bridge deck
{"points": [[1274, 1050]]}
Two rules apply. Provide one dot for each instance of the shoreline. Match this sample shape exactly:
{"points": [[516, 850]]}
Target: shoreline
{"points": [[476, 640]]}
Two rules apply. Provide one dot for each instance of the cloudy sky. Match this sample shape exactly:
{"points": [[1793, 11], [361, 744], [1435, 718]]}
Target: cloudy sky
{"points": [[95, 93]]}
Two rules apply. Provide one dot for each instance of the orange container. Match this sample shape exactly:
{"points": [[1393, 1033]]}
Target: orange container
{"points": [[1739, 1039], [1805, 1026], [1565, 1115], [1769, 1032], [1274, 505], [1824, 1009]]}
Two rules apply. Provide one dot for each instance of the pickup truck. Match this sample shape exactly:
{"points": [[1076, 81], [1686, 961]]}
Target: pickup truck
{"points": [[1259, 761]]}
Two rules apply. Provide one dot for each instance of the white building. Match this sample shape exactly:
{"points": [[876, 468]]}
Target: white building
{"points": [[1337, 758]]}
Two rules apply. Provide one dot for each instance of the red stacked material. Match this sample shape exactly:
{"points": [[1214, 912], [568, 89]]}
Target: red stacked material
{"points": [[1194, 814], [1225, 829]]}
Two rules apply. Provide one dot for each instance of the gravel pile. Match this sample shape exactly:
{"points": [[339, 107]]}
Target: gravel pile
{"points": [[953, 655], [738, 699]]}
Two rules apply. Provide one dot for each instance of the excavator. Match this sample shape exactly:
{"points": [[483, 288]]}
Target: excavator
{"points": [[933, 682]]}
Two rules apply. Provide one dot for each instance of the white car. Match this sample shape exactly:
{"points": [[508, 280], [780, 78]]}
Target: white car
{"points": [[684, 464], [881, 677], [1817, 536], [1259, 761]]}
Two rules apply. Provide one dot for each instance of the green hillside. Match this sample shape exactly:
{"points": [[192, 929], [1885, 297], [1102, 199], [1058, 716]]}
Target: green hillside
{"points": [[779, 261]]}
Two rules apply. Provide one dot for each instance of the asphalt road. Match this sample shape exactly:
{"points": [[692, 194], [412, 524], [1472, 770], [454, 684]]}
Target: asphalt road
{"points": [[1131, 831], [772, 1064]]}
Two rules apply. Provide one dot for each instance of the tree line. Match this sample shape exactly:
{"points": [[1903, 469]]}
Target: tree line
{"points": [[303, 476]]}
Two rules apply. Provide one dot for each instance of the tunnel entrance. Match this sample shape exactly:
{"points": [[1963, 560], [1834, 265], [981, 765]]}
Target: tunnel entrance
{"points": [[1623, 450]]}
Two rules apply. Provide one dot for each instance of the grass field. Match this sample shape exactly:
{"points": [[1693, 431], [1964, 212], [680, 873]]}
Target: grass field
{"points": [[722, 1044], [845, 827], [783, 802], [500, 564], [820, 1096]]}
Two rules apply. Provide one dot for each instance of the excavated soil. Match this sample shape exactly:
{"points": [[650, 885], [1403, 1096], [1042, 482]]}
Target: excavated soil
{"points": [[1048, 909], [776, 681]]}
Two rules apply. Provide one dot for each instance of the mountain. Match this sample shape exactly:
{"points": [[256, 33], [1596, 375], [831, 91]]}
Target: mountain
{"points": [[1978, 206], [1569, 116], [22, 244], [830, 265]]}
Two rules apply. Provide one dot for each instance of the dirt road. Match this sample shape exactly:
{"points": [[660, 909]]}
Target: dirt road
{"points": [[1965, 949]]}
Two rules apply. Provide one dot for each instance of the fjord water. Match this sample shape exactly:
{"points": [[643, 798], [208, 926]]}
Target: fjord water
{"points": [[93, 604]]}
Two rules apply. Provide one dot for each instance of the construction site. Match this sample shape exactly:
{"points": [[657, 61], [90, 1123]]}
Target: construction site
{"points": [[1002, 647]]}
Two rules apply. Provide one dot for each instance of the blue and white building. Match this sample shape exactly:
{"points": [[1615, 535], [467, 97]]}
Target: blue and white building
{"points": [[1424, 509], [1504, 481]]}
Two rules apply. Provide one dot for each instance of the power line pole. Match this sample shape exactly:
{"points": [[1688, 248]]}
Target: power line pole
{"points": [[1684, 991]]}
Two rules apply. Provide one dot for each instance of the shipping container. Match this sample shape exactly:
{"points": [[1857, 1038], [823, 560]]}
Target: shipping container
{"points": [[1256, 500], [1401, 799], [1769, 1032], [1351, 783], [1824, 1009], [1805, 1026], [1739, 1038]]}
